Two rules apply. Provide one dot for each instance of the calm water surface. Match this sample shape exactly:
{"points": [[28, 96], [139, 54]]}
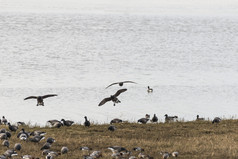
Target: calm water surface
{"points": [[191, 62]]}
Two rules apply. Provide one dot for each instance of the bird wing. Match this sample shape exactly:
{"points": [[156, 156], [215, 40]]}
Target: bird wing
{"points": [[112, 84], [104, 101], [30, 97], [129, 82], [49, 95], [119, 92]]}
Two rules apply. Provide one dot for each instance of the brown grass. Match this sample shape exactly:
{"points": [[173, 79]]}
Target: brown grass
{"points": [[191, 139]]}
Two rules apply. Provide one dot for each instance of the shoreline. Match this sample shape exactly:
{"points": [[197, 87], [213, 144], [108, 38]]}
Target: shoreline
{"points": [[200, 139]]}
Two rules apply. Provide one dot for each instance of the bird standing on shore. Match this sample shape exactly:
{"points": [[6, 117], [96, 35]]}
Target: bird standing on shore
{"points": [[27, 134], [40, 98], [67, 122], [52, 122], [154, 119], [120, 83], [113, 98], [216, 120], [12, 127], [199, 118], [144, 120], [116, 120], [86, 123], [4, 120], [170, 118]]}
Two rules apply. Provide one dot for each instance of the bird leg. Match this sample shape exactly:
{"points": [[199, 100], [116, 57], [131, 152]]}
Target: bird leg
{"points": [[40, 103]]}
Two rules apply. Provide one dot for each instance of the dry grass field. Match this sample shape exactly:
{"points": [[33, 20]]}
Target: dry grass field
{"points": [[196, 139]]}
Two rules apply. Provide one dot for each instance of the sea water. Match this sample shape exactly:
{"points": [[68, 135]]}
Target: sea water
{"points": [[76, 49]]}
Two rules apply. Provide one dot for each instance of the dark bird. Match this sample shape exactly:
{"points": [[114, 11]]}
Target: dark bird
{"points": [[4, 120], [112, 128], [9, 153], [149, 90], [57, 125], [121, 83], [52, 122], [23, 137], [143, 120], [6, 143], [36, 138], [3, 136], [116, 120], [37, 133], [45, 152], [12, 127], [67, 122], [64, 150], [170, 118], [8, 134], [17, 146], [138, 149], [216, 120], [113, 98], [20, 123], [199, 118], [40, 98], [86, 123], [23, 132], [154, 119], [3, 130], [50, 140], [46, 146]]}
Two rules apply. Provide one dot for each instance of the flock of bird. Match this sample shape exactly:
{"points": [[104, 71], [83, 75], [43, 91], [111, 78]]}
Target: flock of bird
{"points": [[117, 151], [35, 137], [112, 98]]}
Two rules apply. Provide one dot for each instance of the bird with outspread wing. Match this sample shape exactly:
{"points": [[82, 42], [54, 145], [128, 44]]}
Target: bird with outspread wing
{"points": [[40, 98], [113, 98], [120, 83]]}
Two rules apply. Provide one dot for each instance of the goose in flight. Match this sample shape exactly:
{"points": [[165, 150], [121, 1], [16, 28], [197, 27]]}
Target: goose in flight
{"points": [[40, 98], [113, 98], [121, 83]]}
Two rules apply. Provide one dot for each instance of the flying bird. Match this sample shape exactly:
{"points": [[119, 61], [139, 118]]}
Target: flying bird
{"points": [[40, 98], [121, 83], [113, 98]]}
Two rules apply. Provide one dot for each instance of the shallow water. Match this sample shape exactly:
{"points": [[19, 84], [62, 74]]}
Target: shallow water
{"points": [[189, 61]]}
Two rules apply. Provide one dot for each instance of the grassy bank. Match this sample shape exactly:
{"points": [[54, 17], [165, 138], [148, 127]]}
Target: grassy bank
{"points": [[200, 139]]}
